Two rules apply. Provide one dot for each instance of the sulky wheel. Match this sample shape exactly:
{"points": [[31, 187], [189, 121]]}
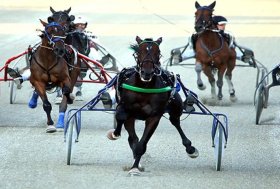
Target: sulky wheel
{"points": [[259, 104], [71, 136], [219, 142], [13, 92]]}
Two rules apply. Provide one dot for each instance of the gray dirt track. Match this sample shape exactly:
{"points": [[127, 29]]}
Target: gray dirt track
{"points": [[30, 158]]}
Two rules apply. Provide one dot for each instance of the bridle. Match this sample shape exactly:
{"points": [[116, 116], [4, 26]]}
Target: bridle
{"points": [[148, 57], [201, 24], [53, 39]]}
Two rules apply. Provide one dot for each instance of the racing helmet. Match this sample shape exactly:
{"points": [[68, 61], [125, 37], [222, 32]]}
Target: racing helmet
{"points": [[219, 20], [80, 20]]}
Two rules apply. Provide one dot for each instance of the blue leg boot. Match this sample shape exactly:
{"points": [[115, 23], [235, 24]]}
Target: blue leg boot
{"points": [[33, 101]]}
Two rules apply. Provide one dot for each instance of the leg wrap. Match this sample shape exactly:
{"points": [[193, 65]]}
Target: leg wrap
{"points": [[47, 106], [198, 67]]}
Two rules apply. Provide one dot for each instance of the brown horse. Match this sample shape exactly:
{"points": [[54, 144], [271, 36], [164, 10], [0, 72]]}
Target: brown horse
{"points": [[212, 52], [50, 69], [146, 91]]}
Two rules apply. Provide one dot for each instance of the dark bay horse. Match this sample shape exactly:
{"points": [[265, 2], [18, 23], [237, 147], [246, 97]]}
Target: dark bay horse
{"points": [[145, 93], [212, 53], [78, 40], [50, 69], [62, 17]]}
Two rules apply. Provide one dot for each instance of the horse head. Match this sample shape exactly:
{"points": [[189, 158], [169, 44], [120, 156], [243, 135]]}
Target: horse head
{"points": [[203, 16], [62, 17], [53, 37], [147, 55]]}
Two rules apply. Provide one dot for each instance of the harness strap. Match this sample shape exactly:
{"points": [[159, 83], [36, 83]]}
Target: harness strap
{"points": [[210, 53], [43, 68], [146, 90]]}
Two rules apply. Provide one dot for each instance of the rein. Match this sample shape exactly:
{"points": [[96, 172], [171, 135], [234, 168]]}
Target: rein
{"points": [[146, 90]]}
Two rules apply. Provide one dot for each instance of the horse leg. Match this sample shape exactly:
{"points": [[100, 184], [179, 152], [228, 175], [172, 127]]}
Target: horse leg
{"points": [[228, 77], [48, 108], [208, 72], [175, 109], [41, 91], [66, 98], [198, 69], [121, 116], [220, 83], [62, 110], [139, 147], [66, 91]]}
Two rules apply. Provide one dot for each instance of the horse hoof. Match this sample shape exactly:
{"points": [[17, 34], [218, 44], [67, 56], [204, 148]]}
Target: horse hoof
{"points": [[111, 136], [134, 172], [201, 87], [233, 98], [50, 129], [195, 154]]}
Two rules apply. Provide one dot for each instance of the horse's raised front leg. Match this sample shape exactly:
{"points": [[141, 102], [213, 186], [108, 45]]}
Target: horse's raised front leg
{"points": [[139, 147], [175, 109], [198, 69], [121, 116]]}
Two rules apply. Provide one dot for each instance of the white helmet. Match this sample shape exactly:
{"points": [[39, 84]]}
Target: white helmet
{"points": [[80, 20]]}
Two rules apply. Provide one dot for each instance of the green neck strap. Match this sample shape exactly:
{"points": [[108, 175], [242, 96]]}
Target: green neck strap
{"points": [[144, 90]]}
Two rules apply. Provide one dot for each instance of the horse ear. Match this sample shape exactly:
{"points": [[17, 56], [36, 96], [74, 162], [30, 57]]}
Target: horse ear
{"points": [[212, 5], [50, 19], [72, 18], [44, 23], [68, 10], [53, 11], [197, 5], [159, 40], [138, 39]]}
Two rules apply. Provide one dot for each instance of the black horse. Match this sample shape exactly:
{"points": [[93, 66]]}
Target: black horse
{"points": [[145, 93]]}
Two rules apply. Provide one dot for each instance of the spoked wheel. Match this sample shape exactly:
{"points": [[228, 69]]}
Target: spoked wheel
{"points": [[13, 92], [261, 97], [259, 104], [71, 137], [219, 142]]}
